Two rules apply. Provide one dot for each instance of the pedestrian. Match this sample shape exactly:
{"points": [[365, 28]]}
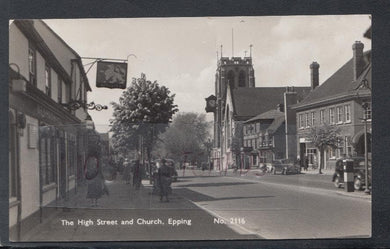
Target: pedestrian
{"points": [[164, 179], [306, 163], [95, 180], [126, 172], [137, 174]]}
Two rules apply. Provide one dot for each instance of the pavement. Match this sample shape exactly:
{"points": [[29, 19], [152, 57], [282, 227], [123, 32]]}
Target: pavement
{"points": [[129, 215]]}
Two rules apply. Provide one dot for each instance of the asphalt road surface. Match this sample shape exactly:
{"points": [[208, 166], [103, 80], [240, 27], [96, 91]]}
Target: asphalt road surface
{"points": [[278, 206]]}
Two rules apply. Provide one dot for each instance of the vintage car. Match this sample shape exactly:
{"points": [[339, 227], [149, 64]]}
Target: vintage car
{"points": [[285, 167], [358, 169]]}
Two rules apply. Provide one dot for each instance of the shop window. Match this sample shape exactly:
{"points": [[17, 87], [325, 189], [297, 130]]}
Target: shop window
{"points": [[47, 154], [254, 160], [71, 154]]}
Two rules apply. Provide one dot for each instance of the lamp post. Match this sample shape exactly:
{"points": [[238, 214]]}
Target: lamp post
{"points": [[365, 118]]}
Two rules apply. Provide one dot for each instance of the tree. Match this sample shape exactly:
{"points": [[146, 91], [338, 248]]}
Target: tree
{"points": [[187, 135], [323, 137], [143, 112]]}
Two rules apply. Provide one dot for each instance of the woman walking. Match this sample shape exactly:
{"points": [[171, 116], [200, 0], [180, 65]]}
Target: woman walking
{"points": [[95, 180], [164, 179]]}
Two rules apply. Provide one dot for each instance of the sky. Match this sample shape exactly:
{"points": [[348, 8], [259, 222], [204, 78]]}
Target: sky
{"points": [[181, 53]]}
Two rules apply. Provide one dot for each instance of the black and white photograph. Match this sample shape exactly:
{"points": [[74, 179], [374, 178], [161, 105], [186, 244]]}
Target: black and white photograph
{"points": [[190, 128]]}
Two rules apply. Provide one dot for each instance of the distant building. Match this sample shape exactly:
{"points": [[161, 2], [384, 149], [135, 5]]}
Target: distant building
{"points": [[339, 101], [271, 135], [46, 142], [237, 100]]}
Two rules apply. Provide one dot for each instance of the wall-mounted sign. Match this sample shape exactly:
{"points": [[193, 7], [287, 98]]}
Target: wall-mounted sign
{"points": [[111, 74]]}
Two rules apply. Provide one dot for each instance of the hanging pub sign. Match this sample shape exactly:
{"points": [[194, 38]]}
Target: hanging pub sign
{"points": [[111, 74]]}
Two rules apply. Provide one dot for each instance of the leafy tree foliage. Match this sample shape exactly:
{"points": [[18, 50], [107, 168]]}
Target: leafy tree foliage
{"points": [[144, 110], [187, 136], [323, 137]]}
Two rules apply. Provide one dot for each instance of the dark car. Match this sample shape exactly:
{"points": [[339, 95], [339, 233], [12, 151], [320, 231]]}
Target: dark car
{"points": [[285, 167], [358, 169]]}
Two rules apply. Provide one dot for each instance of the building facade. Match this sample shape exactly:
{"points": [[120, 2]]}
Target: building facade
{"points": [[237, 100], [342, 101], [47, 143], [271, 135]]}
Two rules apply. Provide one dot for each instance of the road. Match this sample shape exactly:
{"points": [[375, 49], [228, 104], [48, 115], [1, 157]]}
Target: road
{"points": [[278, 206], [218, 207]]}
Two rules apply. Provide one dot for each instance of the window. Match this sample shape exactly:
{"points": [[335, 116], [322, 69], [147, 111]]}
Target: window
{"points": [[59, 82], [331, 115], [241, 79], [367, 111], [347, 111], [339, 114], [313, 119], [301, 121], [72, 154], [47, 154], [307, 124], [32, 65], [257, 127], [47, 80], [322, 116]]}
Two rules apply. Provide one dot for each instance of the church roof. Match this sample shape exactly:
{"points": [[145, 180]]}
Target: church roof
{"points": [[339, 85], [271, 114], [249, 102]]}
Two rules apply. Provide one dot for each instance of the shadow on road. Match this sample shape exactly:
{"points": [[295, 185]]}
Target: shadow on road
{"points": [[215, 184], [198, 197]]}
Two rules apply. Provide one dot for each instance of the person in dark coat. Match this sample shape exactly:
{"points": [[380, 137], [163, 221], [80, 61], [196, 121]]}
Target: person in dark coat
{"points": [[306, 163], [95, 180], [137, 175], [126, 177], [164, 179]]}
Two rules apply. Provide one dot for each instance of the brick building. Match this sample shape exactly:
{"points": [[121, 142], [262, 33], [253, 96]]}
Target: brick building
{"points": [[343, 100]]}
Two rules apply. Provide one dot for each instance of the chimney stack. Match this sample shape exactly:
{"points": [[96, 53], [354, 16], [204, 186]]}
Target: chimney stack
{"points": [[358, 62], [314, 72]]}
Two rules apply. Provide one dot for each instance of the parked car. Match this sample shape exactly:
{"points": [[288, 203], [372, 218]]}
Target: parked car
{"points": [[285, 167], [359, 173]]}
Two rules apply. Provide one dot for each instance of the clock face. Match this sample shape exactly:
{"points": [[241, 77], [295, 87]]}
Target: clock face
{"points": [[212, 103]]}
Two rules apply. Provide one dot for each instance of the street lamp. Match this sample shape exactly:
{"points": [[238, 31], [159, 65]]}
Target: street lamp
{"points": [[365, 106]]}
